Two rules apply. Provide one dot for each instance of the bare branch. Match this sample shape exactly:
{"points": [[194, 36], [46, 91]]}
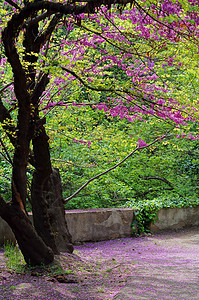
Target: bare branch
{"points": [[6, 86], [41, 39], [158, 178], [5, 157], [114, 167], [142, 194], [6, 151], [36, 19], [12, 3], [87, 85]]}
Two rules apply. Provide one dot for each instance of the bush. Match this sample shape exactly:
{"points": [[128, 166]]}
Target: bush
{"points": [[146, 210]]}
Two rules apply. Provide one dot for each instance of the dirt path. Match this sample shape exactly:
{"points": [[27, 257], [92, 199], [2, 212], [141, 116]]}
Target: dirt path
{"points": [[155, 267], [168, 270]]}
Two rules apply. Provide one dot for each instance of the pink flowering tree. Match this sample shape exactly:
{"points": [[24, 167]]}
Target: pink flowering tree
{"points": [[51, 49]]}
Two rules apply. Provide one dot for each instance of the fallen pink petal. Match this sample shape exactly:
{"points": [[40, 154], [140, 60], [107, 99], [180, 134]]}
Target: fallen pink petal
{"points": [[163, 266]]}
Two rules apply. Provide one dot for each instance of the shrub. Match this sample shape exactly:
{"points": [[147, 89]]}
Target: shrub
{"points": [[146, 210]]}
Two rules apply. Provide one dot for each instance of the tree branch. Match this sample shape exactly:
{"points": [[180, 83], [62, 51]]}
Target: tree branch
{"points": [[6, 86], [87, 85], [39, 88], [142, 194], [36, 20], [6, 151], [114, 167], [12, 3], [121, 93], [41, 39], [158, 178]]}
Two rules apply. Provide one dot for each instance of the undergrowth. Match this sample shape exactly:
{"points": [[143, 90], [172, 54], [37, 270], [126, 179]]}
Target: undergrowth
{"points": [[15, 262], [14, 258], [146, 211]]}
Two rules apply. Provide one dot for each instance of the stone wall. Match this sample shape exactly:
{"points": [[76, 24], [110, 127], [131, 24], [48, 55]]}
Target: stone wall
{"points": [[99, 224], [176, 218], [111, 223]]}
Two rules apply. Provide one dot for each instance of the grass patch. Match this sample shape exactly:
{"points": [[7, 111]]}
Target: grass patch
{"points": [[14, 258]]}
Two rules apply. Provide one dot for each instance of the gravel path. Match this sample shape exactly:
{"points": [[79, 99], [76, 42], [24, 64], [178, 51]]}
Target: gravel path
{"points": [[164, 266]]}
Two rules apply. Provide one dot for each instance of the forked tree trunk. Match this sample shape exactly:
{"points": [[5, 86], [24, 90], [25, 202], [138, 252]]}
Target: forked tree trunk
{"points": [[37, 245], [33, 248]]}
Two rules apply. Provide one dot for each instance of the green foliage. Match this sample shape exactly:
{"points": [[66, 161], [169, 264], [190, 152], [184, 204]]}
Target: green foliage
{"points": [[14, 258], [111, 140], [146, 210], [5, 173]]}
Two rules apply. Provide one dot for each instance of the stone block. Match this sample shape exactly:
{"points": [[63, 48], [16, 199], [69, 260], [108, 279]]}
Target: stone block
{"points": [[99, 224], [176, 218]]}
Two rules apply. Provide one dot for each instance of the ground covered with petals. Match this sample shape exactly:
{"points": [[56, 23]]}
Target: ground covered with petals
{"points": [[151, 267]]}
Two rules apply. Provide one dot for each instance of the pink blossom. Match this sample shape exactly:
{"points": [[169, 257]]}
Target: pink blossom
{"points": [[141, 143]]}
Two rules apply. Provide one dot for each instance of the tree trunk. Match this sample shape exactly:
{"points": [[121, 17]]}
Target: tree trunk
{"points": [[53, 194], [33, 242], [34, 250], [49, 214], [40, 212], [47, 200]]}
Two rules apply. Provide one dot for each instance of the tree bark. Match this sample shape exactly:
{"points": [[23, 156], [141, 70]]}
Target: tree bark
{"points": [[34, 250], [40, 212], [56, 210], [47, 200]]}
